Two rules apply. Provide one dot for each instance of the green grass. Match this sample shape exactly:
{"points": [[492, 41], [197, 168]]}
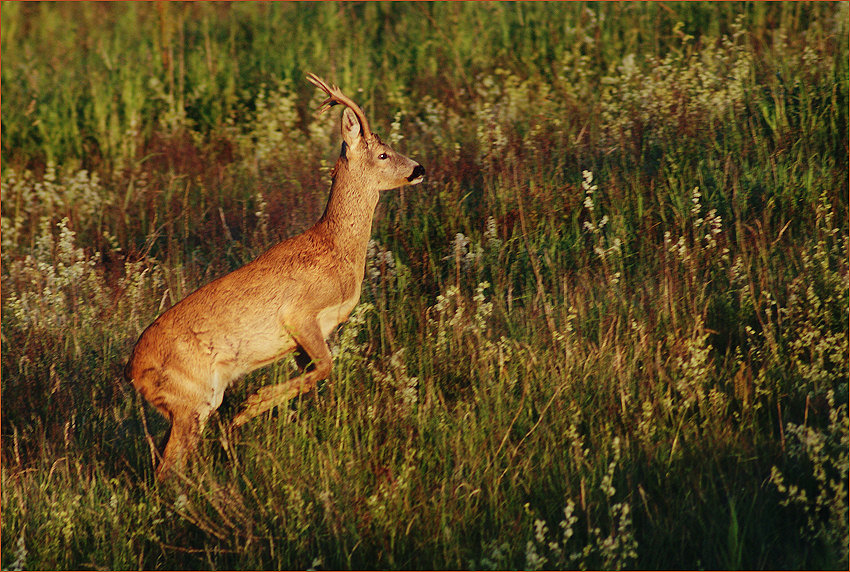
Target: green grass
{"points": [[610, 330]]}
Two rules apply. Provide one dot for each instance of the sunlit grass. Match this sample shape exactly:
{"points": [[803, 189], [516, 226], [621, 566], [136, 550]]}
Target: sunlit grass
{"points": [[610, 329]]}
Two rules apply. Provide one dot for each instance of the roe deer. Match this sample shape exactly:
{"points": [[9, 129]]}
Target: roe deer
{"points": [[289, 299]]}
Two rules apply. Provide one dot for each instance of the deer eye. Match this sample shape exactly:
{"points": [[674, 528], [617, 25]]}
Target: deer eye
{"points": [[382, 156]]}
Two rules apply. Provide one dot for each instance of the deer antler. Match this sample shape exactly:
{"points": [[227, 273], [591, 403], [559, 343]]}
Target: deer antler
{"points": [[336, 96]]}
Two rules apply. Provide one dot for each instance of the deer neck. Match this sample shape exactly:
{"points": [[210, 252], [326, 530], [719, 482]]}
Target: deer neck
{"points": [[348, 216]]}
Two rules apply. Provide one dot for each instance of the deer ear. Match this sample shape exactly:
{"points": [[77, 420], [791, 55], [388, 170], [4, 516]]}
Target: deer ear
{"points": [[351, 129]]}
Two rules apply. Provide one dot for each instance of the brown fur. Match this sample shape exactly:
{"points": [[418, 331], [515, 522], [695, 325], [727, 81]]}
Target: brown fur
{"points": [[290, 298]]}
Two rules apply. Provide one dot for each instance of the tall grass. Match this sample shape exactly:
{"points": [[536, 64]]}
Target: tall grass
{"points": [[610, 330]]}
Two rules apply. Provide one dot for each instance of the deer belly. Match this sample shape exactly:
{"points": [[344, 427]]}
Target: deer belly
{"points": [[331, 317], [246, 351]]}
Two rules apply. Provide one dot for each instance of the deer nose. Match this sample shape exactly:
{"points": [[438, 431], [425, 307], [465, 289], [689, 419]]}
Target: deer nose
{"points": [[418, 171]]}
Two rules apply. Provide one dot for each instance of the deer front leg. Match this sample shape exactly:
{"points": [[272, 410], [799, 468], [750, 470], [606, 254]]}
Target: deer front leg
{"points": [[310, 341]]}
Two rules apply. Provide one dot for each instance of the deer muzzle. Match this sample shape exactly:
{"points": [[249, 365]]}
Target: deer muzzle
{"points": [[417, 175]]}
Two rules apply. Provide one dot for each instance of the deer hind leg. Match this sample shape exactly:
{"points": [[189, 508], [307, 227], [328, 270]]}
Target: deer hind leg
{"points": [[310, 342], [182, 441], [182, 400]]}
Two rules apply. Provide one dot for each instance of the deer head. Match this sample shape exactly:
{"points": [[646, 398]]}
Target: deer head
{"points": [[386, 169]]}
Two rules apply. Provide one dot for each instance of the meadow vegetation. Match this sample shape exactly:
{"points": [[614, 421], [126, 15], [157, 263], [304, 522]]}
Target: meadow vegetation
{"points": [[610, 329]]}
